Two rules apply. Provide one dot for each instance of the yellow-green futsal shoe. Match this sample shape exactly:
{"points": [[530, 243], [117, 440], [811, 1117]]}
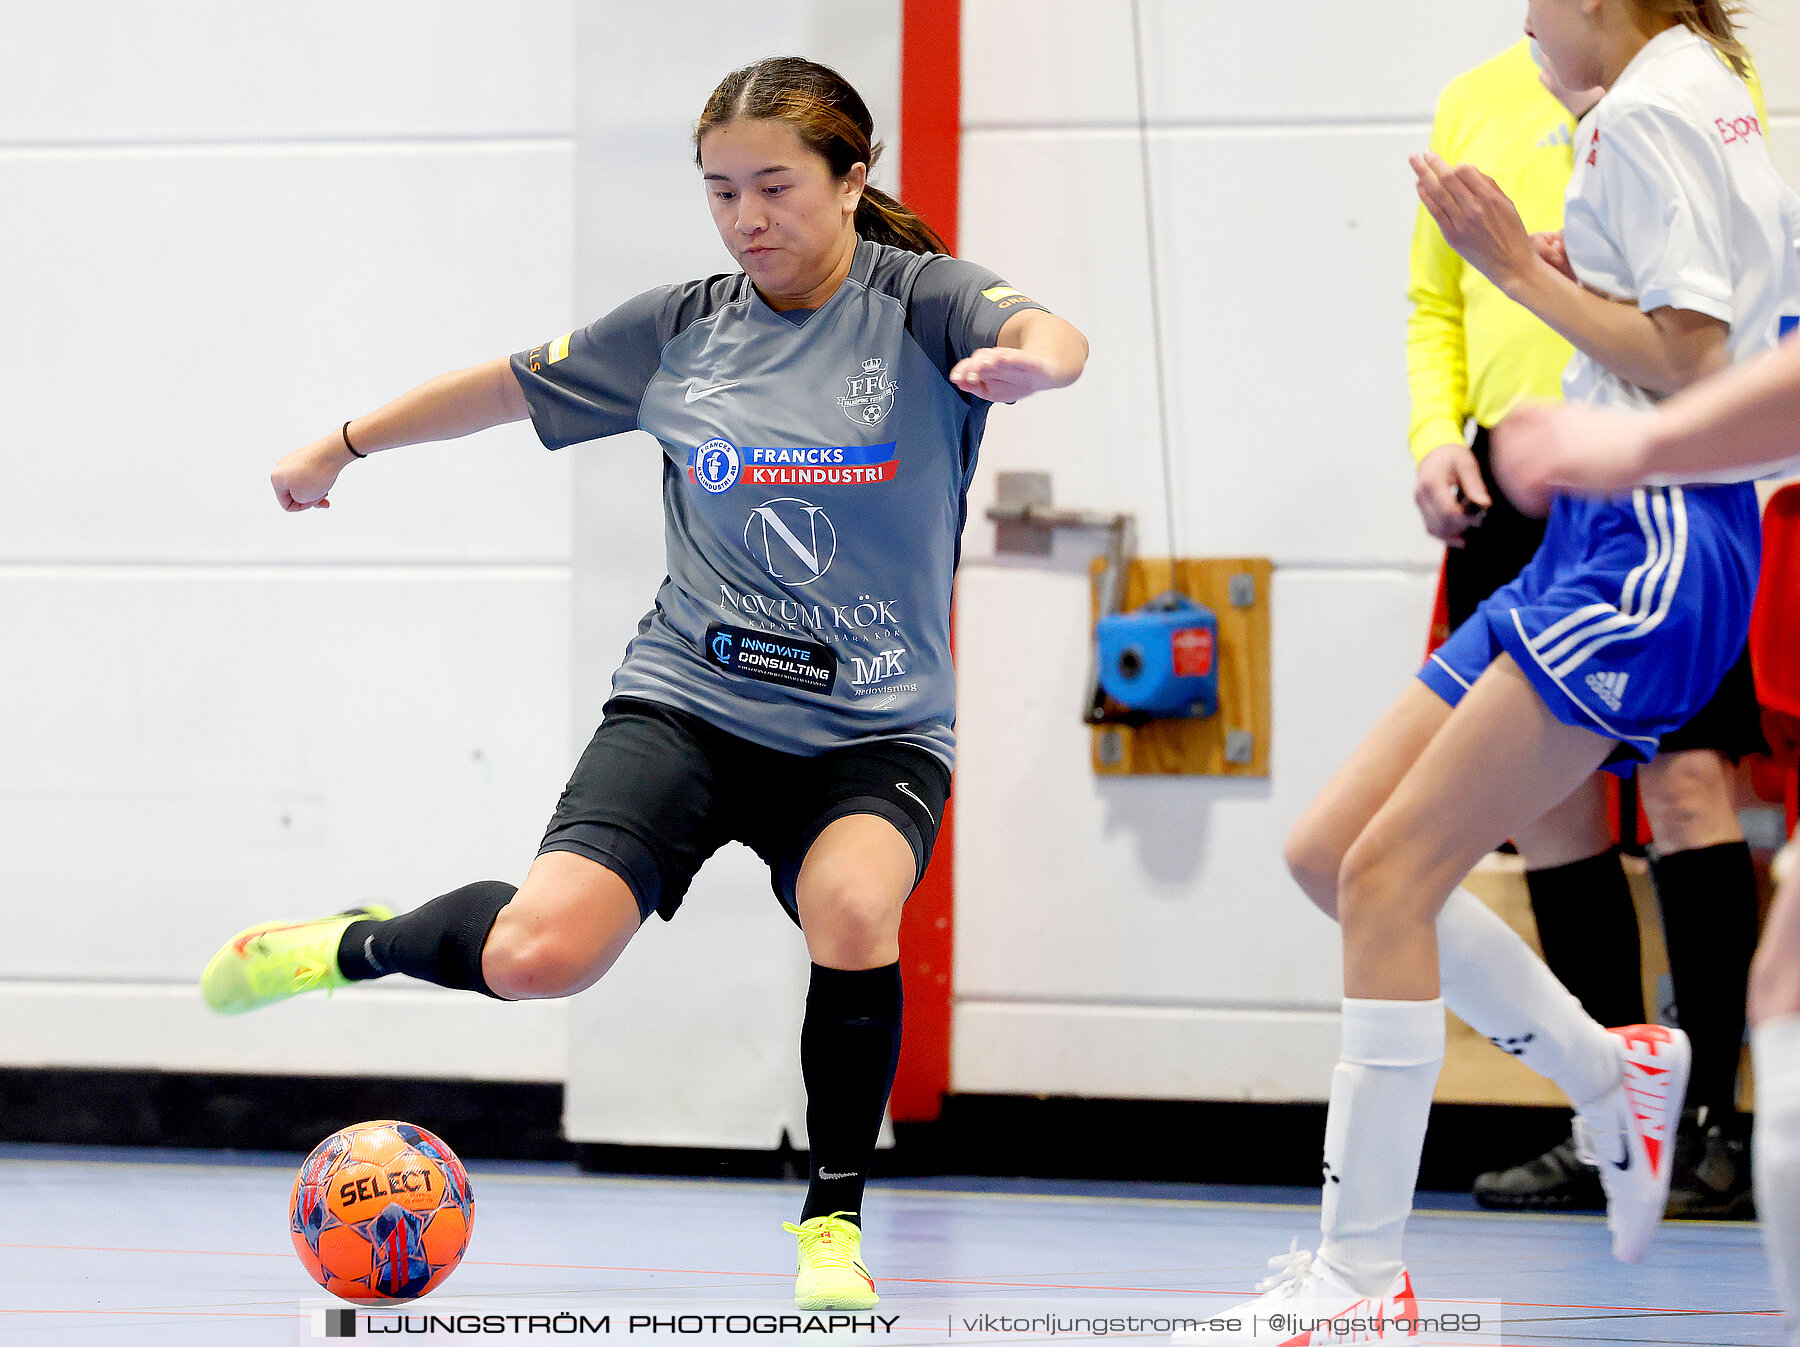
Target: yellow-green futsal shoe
{"points": [[278, 959], [832, 1275]]}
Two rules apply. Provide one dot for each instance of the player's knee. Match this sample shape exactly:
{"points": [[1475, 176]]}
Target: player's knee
{"points": [[1372, 883], [1314, 864], [534, 965], [849, 919], [1674, 812], [1687, 799]]}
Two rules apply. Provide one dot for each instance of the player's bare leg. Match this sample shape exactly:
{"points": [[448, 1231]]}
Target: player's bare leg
{"points": [[1497, 762], [1486, 772], [566, 926], [852, 887], [553, 936], [1317, 844]]}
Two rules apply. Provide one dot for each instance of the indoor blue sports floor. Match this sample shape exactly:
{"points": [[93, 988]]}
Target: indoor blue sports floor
{"points": [[130, 1247]]}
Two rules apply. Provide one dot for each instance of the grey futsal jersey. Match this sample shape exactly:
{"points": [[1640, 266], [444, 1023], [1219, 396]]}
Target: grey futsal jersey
{"points": [[814, 481]]}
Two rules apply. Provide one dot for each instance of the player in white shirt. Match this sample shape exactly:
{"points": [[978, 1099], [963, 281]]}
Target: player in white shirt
{"points": [[1745, 423], [1623, 625]]}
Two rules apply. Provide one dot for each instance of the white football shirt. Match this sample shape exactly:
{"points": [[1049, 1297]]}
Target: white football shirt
{"points": [[1675, 203]]}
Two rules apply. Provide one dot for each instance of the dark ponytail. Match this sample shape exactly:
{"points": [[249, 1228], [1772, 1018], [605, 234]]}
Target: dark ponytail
{"points": [[881, 218], [833, 122]]}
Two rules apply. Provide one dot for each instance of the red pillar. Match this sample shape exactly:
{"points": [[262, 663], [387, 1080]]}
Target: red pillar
{"points": [[930, 158]]}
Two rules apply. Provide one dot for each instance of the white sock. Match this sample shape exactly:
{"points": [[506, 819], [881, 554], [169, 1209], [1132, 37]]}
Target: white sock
{"points": [[1496, 985], [1374, 1131], [1775, 1157]]}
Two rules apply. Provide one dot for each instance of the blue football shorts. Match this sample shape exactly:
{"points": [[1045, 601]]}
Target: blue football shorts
{"points": [[1628, 617]]}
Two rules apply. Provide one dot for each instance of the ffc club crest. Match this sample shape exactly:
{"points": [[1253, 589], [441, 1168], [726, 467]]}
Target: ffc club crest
{"points": [[871, 395]]}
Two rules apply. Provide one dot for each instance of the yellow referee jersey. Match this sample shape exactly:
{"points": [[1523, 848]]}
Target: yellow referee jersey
{"points": [[1471, 351]]}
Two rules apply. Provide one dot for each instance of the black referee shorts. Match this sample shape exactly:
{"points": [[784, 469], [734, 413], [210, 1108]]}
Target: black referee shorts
{"points": [[1496, 550], [1493, 551], [658, 791]]}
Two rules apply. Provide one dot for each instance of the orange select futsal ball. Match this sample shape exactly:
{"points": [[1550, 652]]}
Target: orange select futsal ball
{"points": [[381, 1212]]}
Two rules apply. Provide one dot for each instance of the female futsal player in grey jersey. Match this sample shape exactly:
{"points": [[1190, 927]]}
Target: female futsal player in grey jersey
{"points": [[819, 413]]}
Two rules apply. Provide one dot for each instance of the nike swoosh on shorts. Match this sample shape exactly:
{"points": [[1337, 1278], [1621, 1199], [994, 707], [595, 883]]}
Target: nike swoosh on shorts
{"points": [[905, 786]]}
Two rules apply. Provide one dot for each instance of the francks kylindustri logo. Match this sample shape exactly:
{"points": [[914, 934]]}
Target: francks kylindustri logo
{"points": [[871, 395], [716, 465]]}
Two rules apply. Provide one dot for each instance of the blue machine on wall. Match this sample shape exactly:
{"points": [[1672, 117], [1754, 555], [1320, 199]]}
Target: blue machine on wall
{"points": [[1161, 660]]}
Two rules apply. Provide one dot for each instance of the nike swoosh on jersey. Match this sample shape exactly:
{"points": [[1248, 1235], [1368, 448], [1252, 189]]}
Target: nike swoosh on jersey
{"points": [[695, 394]]}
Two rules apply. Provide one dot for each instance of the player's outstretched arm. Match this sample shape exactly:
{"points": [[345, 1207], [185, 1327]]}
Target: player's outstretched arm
{"points": [[1035, 351], [1663, 351], [445, 408], [1746, 419]]}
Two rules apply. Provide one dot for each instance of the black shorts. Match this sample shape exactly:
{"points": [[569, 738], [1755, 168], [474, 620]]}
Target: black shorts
{"points": [[1493, 551], [1496, 550], [1729, 723], [657, 791]]}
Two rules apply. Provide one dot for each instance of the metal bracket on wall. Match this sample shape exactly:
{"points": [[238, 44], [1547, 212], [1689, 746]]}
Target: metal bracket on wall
{"points": [[1026, 524]]}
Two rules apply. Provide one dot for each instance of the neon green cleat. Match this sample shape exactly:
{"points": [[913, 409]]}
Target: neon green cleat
{"points": [[278, 959], [832, 1275]]}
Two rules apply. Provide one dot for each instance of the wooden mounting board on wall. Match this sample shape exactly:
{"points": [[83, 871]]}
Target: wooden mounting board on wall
{"points": [[1197, 747]]}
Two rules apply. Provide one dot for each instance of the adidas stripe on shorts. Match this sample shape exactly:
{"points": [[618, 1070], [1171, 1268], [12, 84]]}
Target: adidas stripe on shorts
{"points": [[1628, 617]]}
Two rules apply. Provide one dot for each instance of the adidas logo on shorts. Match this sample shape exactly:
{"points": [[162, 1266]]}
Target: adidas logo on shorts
{"points": [[1608, 687]]}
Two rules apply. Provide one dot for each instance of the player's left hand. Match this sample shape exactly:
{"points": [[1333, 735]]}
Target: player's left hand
{"points": [[1478, 219], [1543, 448], [1551, 248], [1003, 374]]}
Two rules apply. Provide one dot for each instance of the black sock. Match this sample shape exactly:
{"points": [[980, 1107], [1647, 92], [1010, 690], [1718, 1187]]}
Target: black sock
{"points": [[849, 1047], [438, 942], [1709, 919], [1589, 931]]}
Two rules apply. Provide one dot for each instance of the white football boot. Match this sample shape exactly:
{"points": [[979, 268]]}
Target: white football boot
{"points": [[1629, 1134], [1299, 1300]]}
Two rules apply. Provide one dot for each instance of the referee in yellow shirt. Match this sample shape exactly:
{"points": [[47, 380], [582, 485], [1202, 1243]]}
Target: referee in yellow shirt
{"points": [[1472, 354]]}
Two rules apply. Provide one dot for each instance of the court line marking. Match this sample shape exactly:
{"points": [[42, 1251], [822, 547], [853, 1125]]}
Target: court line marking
{"points": [[1060, 1199], [1066, 1199], [1621, 1310]]}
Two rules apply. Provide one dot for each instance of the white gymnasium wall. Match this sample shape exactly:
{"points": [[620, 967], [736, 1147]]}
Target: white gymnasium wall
{"points": [[226, 228], [1139, 937]]}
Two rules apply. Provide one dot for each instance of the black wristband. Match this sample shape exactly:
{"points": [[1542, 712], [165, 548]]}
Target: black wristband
{"points": [[345, 432]]}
